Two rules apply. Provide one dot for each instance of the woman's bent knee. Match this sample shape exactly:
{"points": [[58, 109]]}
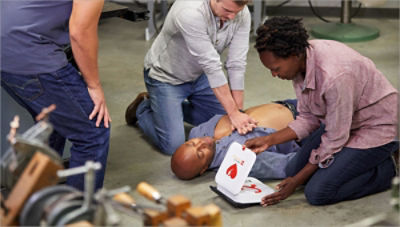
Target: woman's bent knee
{"points": [[317, 196]]}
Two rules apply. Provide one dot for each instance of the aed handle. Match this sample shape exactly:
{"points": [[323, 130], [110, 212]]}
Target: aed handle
{"points": [[149, 192]]}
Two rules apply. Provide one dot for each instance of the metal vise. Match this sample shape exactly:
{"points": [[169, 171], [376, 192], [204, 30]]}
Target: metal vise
{"points": [[24, 146]]}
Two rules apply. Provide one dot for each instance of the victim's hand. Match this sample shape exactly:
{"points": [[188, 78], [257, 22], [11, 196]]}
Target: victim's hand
{"points": [[285, 189], [100, 107], [258, 144], [242, 122]]}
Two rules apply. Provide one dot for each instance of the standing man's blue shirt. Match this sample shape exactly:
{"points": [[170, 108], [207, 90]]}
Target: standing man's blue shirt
{"points": [[269, 164], [31, 43]]}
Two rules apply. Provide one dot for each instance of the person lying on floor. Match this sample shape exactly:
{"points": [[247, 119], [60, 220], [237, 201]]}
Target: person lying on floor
{"points": [[209, 142]]}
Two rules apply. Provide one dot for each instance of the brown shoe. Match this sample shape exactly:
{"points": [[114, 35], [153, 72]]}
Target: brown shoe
{"points": [[130, 113]]}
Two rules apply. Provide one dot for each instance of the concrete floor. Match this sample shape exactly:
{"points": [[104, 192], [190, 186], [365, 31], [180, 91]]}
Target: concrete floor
{"points": [[133, 159]]}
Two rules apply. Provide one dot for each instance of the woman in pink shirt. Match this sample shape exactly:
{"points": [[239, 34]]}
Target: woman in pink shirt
{"points": [[338, 91]]}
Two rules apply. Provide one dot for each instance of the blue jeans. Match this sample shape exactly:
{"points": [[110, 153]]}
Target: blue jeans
{"points": [[272, 165], [353, 174], [161, 116], [67, 89]]}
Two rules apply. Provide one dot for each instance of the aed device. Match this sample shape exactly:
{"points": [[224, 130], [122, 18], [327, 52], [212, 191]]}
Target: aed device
{"points": [[233, 183]]}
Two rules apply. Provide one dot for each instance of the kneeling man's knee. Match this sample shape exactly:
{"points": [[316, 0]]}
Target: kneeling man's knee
{"points": [[169, 147]]}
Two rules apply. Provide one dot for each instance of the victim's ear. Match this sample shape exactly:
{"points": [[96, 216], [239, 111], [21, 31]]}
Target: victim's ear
{"points": [[203, 170]]}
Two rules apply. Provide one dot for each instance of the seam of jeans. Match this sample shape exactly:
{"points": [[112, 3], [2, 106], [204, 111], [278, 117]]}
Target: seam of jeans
{"points": [[68, 91], [394, 164]]}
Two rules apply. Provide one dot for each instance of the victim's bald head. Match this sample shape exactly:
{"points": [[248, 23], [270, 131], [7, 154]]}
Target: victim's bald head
{"points": [[193, 158]]}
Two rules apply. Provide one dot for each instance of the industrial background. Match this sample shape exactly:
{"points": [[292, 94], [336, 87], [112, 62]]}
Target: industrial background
{"points": [[126, 32]]}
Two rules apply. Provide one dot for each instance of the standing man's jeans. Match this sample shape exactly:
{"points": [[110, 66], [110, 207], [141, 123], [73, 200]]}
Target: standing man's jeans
{"points": [[354, 173], [161, 117], [67, 89]]}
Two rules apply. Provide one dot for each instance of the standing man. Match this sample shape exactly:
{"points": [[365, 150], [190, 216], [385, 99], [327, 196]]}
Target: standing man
{"points": [[36, 73], [184, 75], [343, 91]]}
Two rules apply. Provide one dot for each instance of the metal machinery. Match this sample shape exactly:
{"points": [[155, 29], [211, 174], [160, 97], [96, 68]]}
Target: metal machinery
{"points": [[32, 195]]}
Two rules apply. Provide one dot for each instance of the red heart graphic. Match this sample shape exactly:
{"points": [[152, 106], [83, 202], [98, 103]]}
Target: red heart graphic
{"points": [[232, 171], [253, 186]]}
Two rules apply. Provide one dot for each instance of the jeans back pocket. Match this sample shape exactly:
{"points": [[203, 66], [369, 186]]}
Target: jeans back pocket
{"points": [[27, 87]]}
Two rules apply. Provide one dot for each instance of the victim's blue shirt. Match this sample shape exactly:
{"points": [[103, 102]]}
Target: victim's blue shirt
{"points": [[269, 164]]}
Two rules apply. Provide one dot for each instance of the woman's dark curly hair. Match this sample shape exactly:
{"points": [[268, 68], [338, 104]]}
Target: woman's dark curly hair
{"points": [[283, 36]]}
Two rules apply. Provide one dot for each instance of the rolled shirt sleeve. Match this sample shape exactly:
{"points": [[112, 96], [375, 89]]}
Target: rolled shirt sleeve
{"points": [[237, 56]]}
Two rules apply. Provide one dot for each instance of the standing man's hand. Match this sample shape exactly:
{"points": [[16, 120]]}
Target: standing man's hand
{"points": [[83, 25], [100, 107]]}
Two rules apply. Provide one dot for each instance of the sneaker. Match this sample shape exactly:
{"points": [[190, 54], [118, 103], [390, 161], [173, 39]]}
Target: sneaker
{"points": [[130, 113]]}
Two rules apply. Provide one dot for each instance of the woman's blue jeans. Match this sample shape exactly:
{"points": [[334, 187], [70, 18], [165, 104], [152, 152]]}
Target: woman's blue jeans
{"points": [[161, 116], [353, 174], [67, 89]]}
